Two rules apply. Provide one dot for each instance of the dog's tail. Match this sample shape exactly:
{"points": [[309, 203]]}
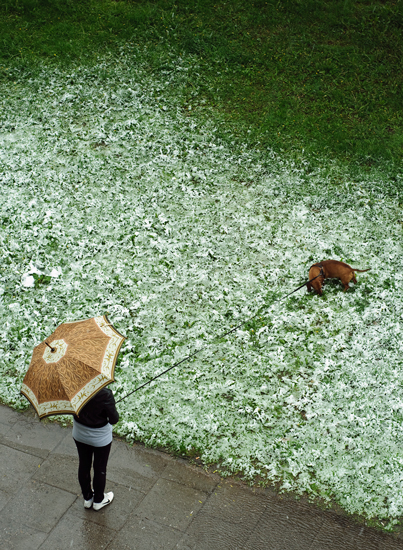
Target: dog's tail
{"points": [[360, 270]]}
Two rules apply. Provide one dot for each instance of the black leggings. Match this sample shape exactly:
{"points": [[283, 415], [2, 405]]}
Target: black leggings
{"points": [[101, 455]]}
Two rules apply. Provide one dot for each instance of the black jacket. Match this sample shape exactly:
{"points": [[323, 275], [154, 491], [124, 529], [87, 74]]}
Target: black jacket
{"points": [[99, 410]]}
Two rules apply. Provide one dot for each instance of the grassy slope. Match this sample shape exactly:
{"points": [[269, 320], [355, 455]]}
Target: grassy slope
{"points": [[325, 76]]}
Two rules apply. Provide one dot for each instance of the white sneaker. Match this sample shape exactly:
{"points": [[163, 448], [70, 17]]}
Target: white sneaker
{"points": [[88, 503], [108, 497]]}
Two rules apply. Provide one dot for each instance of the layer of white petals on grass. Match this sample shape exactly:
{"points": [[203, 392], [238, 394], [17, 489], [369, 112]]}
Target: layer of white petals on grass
{"points": [[113, 200]]}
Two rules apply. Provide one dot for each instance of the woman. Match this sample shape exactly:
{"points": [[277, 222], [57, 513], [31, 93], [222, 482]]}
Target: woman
{"points": [[92, 433]]}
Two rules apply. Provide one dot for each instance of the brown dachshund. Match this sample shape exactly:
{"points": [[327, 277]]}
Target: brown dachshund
{"points": [[332, 268]]}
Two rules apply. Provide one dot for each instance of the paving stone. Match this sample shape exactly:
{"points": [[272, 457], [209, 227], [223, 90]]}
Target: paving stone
{"points": [[171, 504], [143, 533], [336, 528], [7, 419], [135, 468], [331, 532], [181, 472], [16, 467], [8, 416], [186, 543], [364, 539], [66, 445], [286, 525], [4, 498], [212, 533], [29, 435], [16, 536], [118, 546], [115, 514], [38, 506], [235, 503], [60, 471], [4, 429], [74, 533], [146, 462], [387, 542]]}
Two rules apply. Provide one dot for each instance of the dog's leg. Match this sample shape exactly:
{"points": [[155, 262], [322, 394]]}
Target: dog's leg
{"points": [[321, 283], [317, 285], [346, 279]]}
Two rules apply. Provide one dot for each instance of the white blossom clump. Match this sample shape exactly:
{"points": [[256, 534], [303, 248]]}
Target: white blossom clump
{"points": [[115, 201]]}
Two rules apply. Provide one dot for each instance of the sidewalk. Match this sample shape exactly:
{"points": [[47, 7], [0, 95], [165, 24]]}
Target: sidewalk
{"points": [[160, 503]]}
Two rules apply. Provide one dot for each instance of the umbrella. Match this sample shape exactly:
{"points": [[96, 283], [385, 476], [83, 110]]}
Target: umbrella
{"points": [[71, 366]]}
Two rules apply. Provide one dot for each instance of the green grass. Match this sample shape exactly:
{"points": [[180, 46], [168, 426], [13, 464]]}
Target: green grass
{"points": [[323, 76], [147, 214]]}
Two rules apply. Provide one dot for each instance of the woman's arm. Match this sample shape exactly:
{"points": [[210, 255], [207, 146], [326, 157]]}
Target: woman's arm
{"points": [[113, 415]]}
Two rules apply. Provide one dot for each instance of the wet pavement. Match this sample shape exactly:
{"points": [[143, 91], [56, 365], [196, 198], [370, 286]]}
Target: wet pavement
{"points": [[161, 502]]}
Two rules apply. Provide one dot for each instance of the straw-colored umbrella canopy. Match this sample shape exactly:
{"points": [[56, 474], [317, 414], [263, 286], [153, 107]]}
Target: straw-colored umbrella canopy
{"points": [[76, 361]]}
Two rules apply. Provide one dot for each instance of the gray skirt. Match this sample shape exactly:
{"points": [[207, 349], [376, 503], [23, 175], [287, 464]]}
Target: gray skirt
{"points": [[97, 437]]}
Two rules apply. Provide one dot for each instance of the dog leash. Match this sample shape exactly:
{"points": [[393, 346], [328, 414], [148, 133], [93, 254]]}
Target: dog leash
{"points": [[216, 338]]}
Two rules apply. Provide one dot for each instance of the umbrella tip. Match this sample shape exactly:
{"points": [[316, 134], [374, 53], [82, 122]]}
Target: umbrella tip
{"points": [[51, 349]]}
